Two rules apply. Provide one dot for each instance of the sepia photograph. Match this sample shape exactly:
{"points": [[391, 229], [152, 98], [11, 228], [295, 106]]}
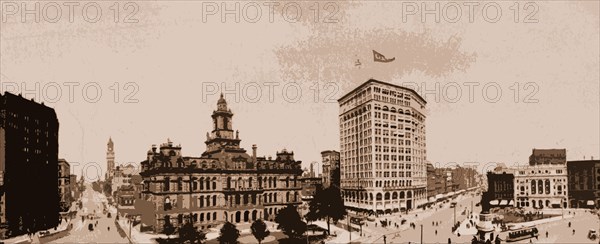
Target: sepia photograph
{"points": [[299, 121]]}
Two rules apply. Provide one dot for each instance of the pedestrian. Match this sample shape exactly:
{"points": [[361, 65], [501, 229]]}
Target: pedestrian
{"points": [[573, 231], [436, 232], [546, 234], [449, 240], [108, 228]]}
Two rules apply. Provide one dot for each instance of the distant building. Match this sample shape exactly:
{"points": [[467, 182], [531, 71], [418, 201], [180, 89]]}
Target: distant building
{"points": [[541, 186], [110, 159], [125, 198], [310, 182], [331, 168], [29, 196], [383, 159], [223, 184], [548, 157], [75, 187], [584, 183], [121, 176], [64, 185], [431, 183], [501, 188]]}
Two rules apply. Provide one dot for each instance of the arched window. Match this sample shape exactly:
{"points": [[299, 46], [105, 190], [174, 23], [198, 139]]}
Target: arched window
{"points": [[229, 182], [201, 201], [378, 197], [250, 182], [387, 196], [214, 201], [540, 187], [179, 184], [201, 181], [207, 183], [533, 187], [547, 186]]}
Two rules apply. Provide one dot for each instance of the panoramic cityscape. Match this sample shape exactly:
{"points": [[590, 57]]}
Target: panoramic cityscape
{"points": [[379, 186], [299, 122]]}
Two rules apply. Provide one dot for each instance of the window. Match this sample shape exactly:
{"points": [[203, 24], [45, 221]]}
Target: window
{"points": [[166, 184]]}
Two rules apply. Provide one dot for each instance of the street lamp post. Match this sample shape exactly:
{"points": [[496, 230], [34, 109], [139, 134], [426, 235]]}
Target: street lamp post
{"points": [[454, 214], [349, 229]]}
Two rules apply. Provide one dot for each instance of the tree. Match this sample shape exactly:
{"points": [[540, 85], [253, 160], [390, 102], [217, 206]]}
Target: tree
{"points": [[168, 228], [259, 230], [327, 204], [190, 234], [229, 234], [290, 222]]}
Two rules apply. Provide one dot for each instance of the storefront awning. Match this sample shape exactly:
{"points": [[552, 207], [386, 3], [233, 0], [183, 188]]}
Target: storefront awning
{"points": [[503, 202], [494, 202], [590, 203]]}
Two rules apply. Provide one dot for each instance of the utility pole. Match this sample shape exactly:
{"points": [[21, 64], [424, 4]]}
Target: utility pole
{"points": [[421, 233]]}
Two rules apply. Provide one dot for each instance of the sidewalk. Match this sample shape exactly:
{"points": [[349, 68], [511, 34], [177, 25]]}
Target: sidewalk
{"points": [[36, 238], [136, 235]]}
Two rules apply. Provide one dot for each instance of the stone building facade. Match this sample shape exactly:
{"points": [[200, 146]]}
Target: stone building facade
{"points": [[223, 184]]}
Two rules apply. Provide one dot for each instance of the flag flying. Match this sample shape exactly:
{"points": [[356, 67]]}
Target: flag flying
{"points": [[380, 58]]}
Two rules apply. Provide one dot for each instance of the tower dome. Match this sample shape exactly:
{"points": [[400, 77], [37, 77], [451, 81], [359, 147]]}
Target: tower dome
{"points": [[222, 104]]}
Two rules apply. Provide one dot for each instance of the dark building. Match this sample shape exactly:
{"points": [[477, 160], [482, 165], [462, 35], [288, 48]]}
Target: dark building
{"points": [[501, 187], [464, 178], [548, 156], [584, 183], [29, 194], [431, 182]]}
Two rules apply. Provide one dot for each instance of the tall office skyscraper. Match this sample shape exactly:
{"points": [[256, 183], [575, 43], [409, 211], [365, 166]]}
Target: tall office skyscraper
{"points": [[383, 148]]}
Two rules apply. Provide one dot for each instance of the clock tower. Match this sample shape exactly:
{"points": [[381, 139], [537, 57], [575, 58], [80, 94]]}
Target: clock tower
{"points": [[110, 159], [222, 137]]}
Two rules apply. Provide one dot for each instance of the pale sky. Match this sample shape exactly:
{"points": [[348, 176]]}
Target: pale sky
{"points": [[174, 59]]}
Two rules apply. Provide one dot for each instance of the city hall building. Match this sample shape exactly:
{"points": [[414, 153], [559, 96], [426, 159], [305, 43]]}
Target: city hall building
{"points": [[383, 148], [223, 184]]}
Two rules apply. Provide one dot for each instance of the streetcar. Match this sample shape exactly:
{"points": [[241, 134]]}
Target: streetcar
{"points": [[522, 233]]}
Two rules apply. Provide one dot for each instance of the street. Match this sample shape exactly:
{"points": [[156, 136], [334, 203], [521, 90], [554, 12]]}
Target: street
{"points": [[443, 216], [80, 234]]}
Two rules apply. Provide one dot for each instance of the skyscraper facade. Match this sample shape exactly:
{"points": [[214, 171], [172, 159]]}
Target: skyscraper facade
{"points": [[383, 148], [29, 194]]}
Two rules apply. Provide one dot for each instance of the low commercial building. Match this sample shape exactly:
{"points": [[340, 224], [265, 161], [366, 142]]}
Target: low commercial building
{"points": [[584, 183], [541, 186]]}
